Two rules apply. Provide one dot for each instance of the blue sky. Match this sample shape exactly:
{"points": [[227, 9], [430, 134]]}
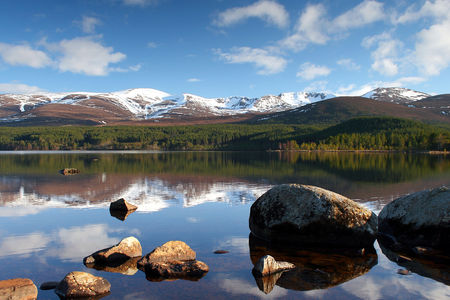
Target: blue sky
{"points": [[218, 48]]}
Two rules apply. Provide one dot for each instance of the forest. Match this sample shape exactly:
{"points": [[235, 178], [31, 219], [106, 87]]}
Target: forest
{"points": [[367, 133]]}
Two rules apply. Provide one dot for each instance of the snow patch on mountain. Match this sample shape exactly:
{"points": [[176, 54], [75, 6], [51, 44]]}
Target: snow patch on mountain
{"points": [[395, 95]]}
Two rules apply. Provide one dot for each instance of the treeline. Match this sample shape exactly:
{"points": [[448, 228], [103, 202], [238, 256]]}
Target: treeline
{"points": [[375, 133], [200, 137], [378, 133]]}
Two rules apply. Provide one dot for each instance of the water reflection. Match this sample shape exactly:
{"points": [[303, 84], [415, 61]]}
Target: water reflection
{"points": [[315, 268], [435, 267], [67, 244], [129, 267], [155, 181]]}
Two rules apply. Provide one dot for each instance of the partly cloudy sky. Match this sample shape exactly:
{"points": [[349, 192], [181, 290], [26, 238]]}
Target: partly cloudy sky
{"points": [[217, 48]]}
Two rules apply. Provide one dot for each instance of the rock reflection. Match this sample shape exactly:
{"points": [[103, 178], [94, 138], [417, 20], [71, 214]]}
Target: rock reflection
{"points": [[121, 214], [128, 267], [315, 268], [435, 267]]}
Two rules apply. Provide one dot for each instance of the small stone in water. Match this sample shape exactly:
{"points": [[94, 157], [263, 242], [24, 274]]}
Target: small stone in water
{"points": [[403, 272], [221, 252]]}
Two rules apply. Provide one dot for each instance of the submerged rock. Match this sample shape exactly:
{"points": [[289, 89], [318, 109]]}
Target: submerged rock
{"points": [[69, 171], [81, 284], [221, 252], [267, 265], [420, 219], [127, 248], [309, 215], [18, 289], [173, 260], [176, 269]]}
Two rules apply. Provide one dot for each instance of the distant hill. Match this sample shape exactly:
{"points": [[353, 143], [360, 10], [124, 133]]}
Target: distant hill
{"points": [[339, 109], [145, 106], [439, 104]]}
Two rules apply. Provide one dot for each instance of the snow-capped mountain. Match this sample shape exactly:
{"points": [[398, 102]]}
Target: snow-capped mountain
{"points": [[141, 104], [150, 105], [395, 95]]}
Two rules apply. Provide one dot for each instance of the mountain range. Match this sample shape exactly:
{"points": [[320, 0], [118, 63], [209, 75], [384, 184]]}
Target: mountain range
{"points": [[146, 106]]}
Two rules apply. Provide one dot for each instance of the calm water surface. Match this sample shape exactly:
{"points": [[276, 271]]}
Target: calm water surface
{"points": [[49, 222]]}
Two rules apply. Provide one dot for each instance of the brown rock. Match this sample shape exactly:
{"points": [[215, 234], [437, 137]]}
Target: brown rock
{"points": [[81, 284], [127, 248], [176, 269], [221, 252], [309, 215], [173, 260], [170, 251], [122, 205], [267, 283], [18, 289], [267, 265], [69, 171]]}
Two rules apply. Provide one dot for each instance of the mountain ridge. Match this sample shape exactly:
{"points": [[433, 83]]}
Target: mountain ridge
{"points": [[151, 106]]}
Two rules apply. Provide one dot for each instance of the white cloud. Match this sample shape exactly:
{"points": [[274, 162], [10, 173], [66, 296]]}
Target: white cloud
{"points": [[86, 56], [141, 3], [310, 71], [24, 55], [386, 55], [270, 11], [18, 88], [432, 53], [265, 61], [438, 9], [88, 24], [411, 80], [315, 86], [349, 64], [315, 27], [134, 68], [193, 80], [152, 45], [310, 28], [364, 13]]}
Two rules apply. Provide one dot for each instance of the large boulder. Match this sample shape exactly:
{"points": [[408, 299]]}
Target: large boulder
{"points": [[173, 260], [18, 289], [419, 219], [127, 248], [81, 284], [309, 215]]}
